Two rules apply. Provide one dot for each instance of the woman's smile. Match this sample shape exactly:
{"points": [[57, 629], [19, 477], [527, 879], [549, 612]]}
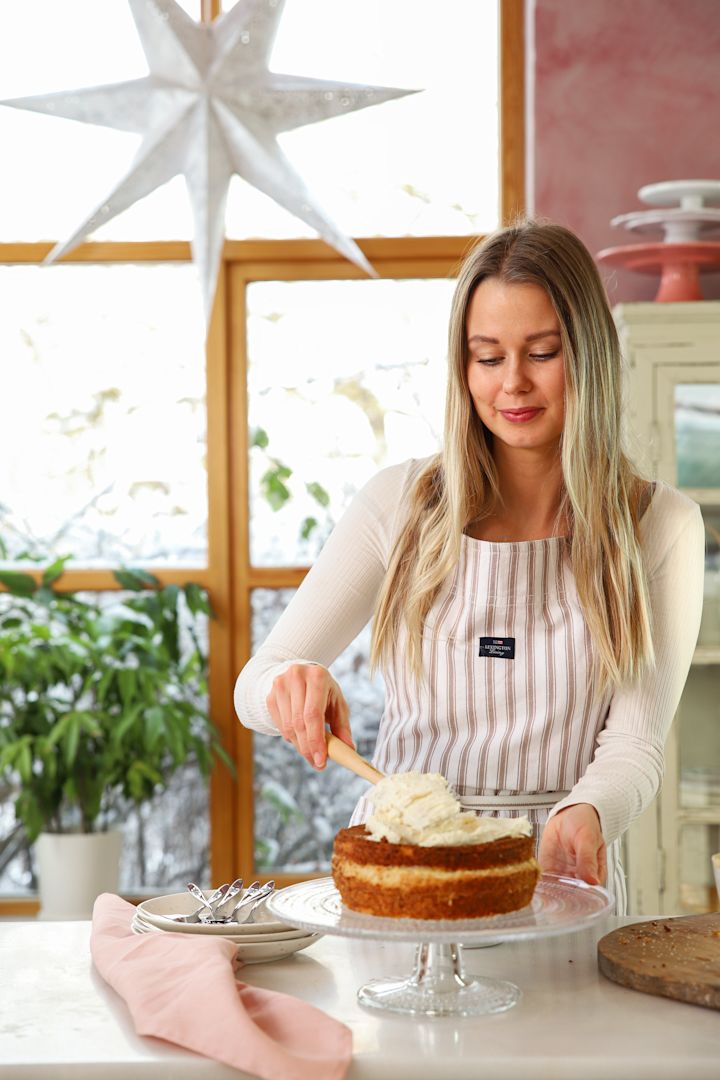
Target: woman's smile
{"points": [[520, 416]]}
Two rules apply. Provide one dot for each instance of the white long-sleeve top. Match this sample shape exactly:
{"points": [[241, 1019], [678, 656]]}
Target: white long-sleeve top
{"points": [[494, 723]]}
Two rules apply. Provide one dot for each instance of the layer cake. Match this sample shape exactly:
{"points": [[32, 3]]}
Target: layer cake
{"points": [[420, 856]]}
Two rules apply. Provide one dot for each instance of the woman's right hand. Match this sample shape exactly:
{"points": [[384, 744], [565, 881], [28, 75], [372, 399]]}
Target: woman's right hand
{"points": [[301, 702]]}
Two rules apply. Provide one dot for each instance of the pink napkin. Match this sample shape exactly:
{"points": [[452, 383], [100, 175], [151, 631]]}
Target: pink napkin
{"points": [[182, 988]]}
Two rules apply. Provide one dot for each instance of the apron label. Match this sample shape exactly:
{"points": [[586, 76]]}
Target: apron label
{"points": [[501, 647]]}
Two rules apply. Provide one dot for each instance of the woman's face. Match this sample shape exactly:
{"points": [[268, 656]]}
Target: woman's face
{"points": [[515, 364]]}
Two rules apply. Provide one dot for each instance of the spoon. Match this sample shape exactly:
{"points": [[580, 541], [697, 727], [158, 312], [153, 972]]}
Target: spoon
{"points": [[193, 917], [199, 895], [230, 892], [215, 897], [345, 755]]}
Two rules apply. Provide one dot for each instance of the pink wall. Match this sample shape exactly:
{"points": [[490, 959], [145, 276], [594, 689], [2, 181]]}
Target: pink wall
{"points": [[621, 93]]}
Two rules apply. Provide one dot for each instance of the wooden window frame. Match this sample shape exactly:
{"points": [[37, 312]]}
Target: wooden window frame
{"points": [[229, 575]]}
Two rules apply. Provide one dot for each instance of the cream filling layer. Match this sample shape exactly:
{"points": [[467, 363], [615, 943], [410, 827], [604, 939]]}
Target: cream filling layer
{"points": [[398, 875]]}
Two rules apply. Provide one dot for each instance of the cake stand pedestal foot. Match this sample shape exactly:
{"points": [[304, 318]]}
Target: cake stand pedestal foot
{"points": [[680, 281], [439, 987]]}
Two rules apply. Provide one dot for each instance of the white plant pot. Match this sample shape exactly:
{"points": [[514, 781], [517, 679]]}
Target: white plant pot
{"points": [[73, 869]]}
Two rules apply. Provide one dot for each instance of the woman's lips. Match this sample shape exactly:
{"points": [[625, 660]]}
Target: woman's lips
{"points": [[519, 416]]}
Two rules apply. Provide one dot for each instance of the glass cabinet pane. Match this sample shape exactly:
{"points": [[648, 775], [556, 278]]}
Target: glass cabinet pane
{"points": [[297, 809], [698, 893], [710, 622], [697, 435], [698, 721]]}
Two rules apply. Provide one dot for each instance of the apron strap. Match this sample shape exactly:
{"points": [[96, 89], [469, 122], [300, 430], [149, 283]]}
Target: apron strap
{"points": [[529, 801]]}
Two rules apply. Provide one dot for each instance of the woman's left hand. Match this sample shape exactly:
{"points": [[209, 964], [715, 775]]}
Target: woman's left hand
{"points": [[572, 845]]}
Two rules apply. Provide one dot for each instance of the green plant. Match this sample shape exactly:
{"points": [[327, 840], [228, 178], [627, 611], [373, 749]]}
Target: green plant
{"points": [[274, 488], [99, 704]]}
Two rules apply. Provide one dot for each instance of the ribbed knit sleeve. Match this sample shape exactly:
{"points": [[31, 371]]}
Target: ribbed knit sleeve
{"points": [[627, 768], [337, 597]]}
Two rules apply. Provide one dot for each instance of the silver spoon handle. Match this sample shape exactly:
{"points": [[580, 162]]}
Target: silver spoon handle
{"points": [[193, 917], [230, 894], [199, 895], [216, 897]]}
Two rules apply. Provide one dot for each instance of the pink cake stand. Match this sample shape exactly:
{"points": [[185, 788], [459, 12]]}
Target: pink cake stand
{"points": [[679, 265]]}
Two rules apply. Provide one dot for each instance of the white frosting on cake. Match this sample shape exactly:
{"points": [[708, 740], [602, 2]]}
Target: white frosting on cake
{"points": [[419, 808]]}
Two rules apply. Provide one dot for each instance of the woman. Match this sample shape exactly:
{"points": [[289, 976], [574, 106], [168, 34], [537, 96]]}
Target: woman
{"points": [[536, 602]]}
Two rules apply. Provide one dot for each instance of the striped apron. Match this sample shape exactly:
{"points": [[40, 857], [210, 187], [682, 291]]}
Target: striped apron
{"points": [[506, 712]]}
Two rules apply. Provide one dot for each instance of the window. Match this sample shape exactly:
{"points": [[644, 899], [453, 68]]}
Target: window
{"points": [[129, 441]]}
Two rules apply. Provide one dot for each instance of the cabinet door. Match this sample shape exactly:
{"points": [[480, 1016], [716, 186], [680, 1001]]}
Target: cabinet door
{"points": [[686, 437]]}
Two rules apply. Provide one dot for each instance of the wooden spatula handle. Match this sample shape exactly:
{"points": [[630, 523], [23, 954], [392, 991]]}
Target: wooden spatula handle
{"points": [[345, 755]]}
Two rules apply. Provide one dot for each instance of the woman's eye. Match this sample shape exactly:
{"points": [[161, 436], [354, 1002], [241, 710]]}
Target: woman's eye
{"points": [[492, 361]]}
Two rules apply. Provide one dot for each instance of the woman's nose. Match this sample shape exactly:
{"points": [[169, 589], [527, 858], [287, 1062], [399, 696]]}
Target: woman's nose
{"points": [[516, 377]]}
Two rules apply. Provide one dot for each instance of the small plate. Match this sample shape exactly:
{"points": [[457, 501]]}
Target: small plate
{"points": [[261, 952], [140, 925]]}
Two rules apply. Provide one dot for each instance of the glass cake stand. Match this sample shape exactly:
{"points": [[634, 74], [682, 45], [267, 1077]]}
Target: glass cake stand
{"points": [[439, 985]]}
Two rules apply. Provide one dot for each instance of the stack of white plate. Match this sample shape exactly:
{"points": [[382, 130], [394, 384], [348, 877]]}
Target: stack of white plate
{"points": [[260, 941]]}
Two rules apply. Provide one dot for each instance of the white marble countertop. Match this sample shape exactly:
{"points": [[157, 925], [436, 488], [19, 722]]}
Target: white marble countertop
{"points": [[58, 1019]]}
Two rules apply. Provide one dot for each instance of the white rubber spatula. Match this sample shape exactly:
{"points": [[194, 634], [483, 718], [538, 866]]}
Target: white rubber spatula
{"points": [[345, 755]]}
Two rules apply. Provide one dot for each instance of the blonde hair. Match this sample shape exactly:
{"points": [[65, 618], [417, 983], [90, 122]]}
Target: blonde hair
{"points": [[602, 492]]}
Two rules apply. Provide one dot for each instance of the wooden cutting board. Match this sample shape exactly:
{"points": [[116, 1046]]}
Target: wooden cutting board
{"points": [[677, 958]]}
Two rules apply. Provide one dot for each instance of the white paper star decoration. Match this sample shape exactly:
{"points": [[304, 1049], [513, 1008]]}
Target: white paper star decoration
{"points": [[209, 108]]}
